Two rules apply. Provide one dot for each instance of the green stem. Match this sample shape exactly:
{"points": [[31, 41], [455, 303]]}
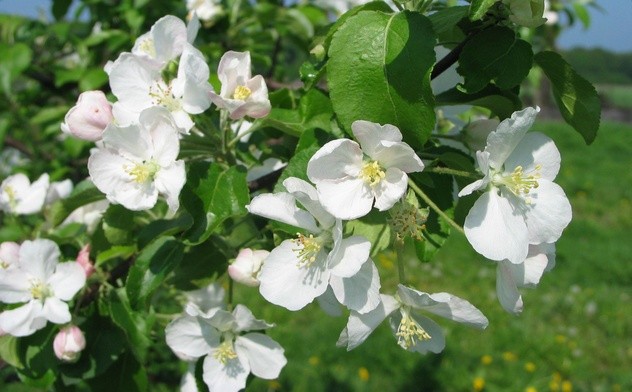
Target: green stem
{"points": [[399, 249], [451, 172], [229, 305], [435, 207], [236, 139]]}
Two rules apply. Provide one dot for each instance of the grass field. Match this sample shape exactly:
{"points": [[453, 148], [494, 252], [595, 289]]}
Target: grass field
{"points": [[574, 334], [617, 95]]}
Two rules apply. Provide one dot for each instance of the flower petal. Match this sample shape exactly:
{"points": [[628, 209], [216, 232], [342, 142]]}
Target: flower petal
{"points": [[246, 321], [444, 305], [282, 207], [506, 287], [264, 355], [548, 214], [15, 286], [39, 258], [495, 230], [435, 344], [350, 256], [346, 199], [24, 320], [307, 195], [399, 155], [191, 336], [360, 292], [169, 182], [390, 189], [285, 283], [335, 161], [502, 142], [228, 377], [56, 311], [360, 326], [535, 149], [370, 135], [67, 280]]}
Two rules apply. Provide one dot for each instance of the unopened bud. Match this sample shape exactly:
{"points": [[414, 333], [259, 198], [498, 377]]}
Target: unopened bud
{"points": [[69, 343], [245, 269], [89, 117], [83, 259]]}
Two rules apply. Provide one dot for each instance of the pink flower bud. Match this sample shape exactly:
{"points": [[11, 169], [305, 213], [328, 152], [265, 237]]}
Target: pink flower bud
{"points": [[69, 343], [245, 268], [89, 117], [83, 258]]}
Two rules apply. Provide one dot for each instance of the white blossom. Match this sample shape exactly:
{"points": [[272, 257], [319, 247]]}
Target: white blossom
{"points": [[231, 351], [89, 215], [527, 13], [58, 190], [414, 331], [521, 204], [164, 42], [138, 162], [42, 285], [351, 177], [89, 117], [208, 11], [245, 269], [301, 269], [18, 196], [9, 255], [241, 94]]}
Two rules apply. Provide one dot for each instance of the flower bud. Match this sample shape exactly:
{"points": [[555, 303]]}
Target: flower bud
{"points": [[69, 343], [83, 259], [89, 117], [245, 269], [527, 13]]}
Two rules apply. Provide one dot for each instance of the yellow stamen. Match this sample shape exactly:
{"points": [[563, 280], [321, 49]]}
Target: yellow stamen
{"points": [[409, 332], [308, 249], [40, 290], [163, 96], [242, 93], [143, 172], [148, 47], [225, 352], [12, 196], [372, 173], [519, 183]]}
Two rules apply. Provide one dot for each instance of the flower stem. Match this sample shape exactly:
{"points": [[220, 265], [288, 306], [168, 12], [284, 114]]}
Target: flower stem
{"points": [[229, 305], [435, 207], [452, 172]]}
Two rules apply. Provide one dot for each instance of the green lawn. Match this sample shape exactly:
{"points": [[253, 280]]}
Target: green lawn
{"points": [[574, 333]]}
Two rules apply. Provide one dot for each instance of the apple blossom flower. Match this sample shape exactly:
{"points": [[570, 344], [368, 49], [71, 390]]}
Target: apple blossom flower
{"points": [[510, 276], [241, 94], [521, 204], [208, 11], [89, 117], [83, 259], [204, 299], [231, 351], [138, 84], [350, 177], [301, 269], [9, 255], [477, 131], [58, 190], [69, 343], [164, 41], [268, 166], [414, 331], [89, 215], [138, 162], [18, 196], [245, 269], [42, 285]]}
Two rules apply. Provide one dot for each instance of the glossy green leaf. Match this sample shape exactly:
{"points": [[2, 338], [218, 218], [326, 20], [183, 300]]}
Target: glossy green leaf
{"points": [[373, 227], [126, 374], [151, 268], [161, 227], [379, 70], [211, 195], [314, 111], [501, 103], [445, 20], [506, 63], [84, 193], [14, 59], [576, 98], [136, 326]]}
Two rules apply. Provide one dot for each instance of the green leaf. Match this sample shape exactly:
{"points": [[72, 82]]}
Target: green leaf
{"points": [[9, 351], [151, 268], [163, 227], [211, 195], [84, 193], [36, 354], [126, 374], [506, 63], [379, 70], [314, 111], [199, 264], [445, 20], [373, 227], [113, 252], [136, 326], [478, 8], [60, 8], [576, 98], [93, 79], [371, 6], [501, 103], [118, 225], [14, 59], [581, 11]]}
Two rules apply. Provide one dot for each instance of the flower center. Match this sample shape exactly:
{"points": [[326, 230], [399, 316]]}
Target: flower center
{"points": [[143, 172], [242, 93], [308, 248], [11, 195], [40, 290], [408, 221], [372, 173], [148, 47], [163, 96], [518, 182], [225, 352], [409, 332]]}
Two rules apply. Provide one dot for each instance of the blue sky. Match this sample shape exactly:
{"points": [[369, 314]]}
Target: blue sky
{"points": [[611, 29]]}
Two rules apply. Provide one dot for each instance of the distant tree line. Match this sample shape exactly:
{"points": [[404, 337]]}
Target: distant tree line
{"points": [[601, 66]]}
